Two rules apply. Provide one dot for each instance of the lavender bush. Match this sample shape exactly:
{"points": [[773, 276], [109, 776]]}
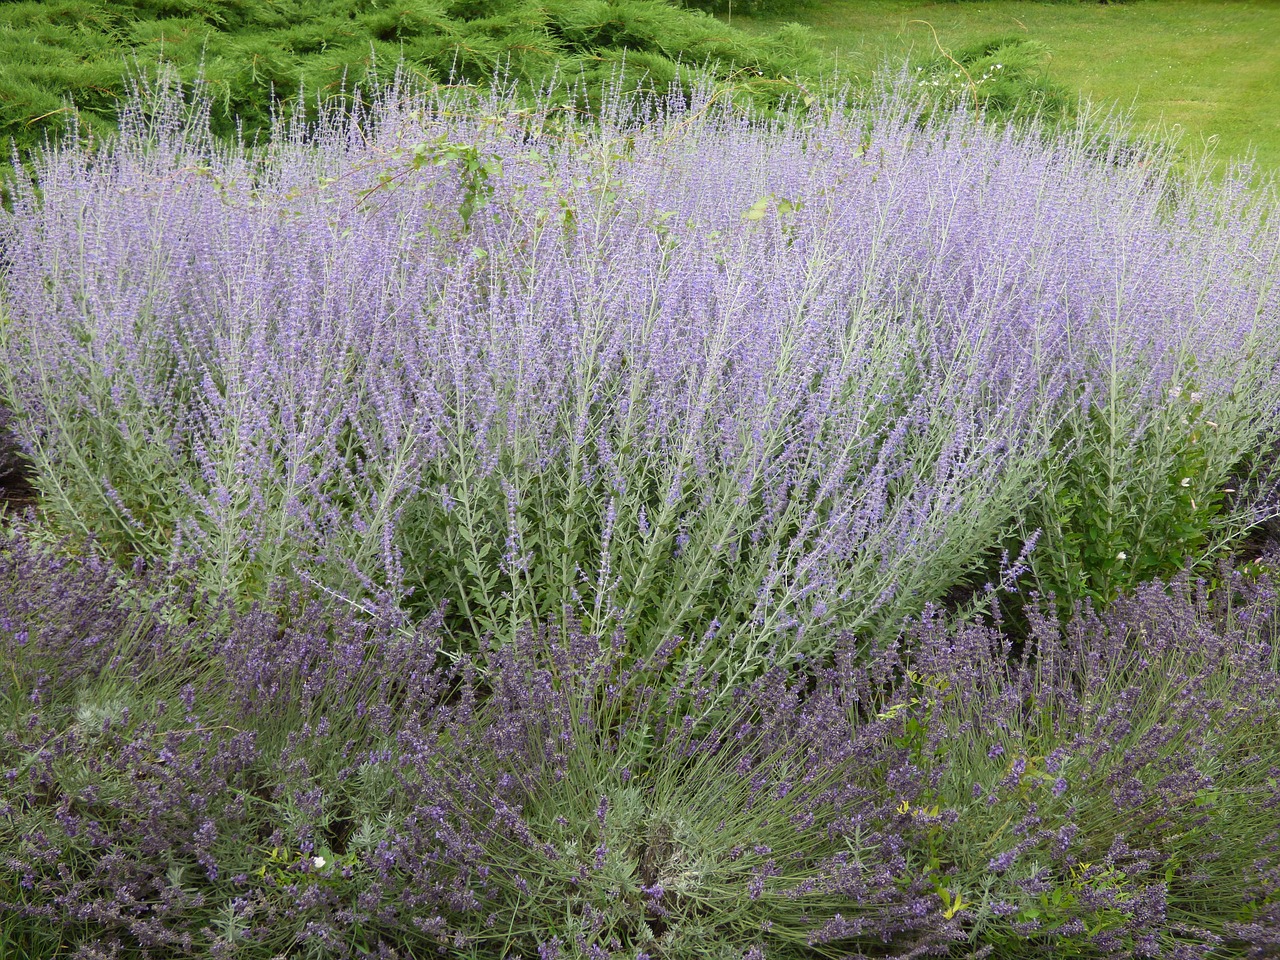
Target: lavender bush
{"points": [[675, 373], [324, 787], [319, 788], [468, 403], [1109, 787]]}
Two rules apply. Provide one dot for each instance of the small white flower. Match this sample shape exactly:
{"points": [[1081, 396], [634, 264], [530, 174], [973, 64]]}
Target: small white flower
{"points": [[1196, 396], [318, 862], [1122, 555], [1175, 392], [1186, 481]]}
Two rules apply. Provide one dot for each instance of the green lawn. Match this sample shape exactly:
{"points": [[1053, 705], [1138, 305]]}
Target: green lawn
{"points": [[1209, 69]]}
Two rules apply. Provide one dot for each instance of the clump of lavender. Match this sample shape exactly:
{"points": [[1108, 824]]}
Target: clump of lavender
{"points": [[292, 781], [674, 373], [321, 785], [1115, 787], [604, 820]]}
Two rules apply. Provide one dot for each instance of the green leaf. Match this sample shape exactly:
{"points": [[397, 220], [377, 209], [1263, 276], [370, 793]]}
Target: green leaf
{"points": [[758, 209]]}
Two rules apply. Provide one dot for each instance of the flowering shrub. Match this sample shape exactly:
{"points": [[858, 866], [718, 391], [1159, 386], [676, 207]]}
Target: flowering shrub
{"points": [[1097, 779], [457, 395], [676, 373]]}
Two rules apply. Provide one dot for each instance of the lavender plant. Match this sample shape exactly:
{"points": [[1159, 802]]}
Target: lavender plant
{"points": [[1111, 787], [517, 394], [1166, 454], [325, 788]]}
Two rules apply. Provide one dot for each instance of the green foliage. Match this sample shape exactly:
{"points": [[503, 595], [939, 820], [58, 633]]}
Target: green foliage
{"points": [[771, 8], [69, 61], [1129, 498], [1004, 78]]}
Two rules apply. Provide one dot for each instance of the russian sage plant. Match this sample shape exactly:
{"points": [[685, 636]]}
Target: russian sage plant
{"points": [[675, 373]]}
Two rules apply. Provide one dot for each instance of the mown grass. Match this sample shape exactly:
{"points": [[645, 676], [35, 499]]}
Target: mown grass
{"points": [[1200, 69]]}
